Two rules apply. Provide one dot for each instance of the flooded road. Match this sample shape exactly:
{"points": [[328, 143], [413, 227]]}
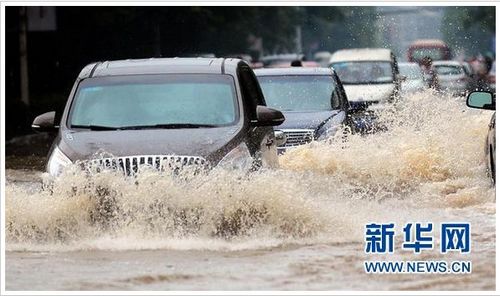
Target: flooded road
{"points": [[300, 227]]}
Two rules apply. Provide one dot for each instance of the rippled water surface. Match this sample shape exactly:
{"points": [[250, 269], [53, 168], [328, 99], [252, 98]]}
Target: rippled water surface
{"points": [[300, 227]]}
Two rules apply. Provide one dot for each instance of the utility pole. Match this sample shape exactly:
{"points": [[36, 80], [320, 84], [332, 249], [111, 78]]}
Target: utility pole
{"points": [[23, 55], [298, 39], [298, 34]]}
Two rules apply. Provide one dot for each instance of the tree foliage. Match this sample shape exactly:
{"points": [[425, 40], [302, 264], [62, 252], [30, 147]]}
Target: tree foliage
{"points": [[470, 29]]}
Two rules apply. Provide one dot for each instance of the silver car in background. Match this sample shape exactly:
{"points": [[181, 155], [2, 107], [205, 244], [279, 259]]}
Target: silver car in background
{"points": [[452, 76], [412, 78]]}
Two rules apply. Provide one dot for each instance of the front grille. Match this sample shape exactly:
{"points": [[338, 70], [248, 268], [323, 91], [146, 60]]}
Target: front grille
{"points": [[130, 165], [297, 137]]}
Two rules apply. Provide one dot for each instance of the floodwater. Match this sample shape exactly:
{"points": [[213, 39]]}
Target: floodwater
{"points": [[297, 228]]}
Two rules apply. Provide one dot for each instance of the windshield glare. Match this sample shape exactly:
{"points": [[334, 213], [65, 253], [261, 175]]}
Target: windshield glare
{"points": [[300, 93], [365, 72], [148, 100]]}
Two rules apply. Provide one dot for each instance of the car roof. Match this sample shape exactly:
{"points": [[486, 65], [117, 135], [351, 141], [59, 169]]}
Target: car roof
{"points": [[293, 71], [159, 66], [284, 56], [406, 64], [428, 42], [361, 54], [447, 63]]}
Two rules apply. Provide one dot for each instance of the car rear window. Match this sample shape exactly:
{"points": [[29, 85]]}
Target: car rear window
{"points": [[449, 70], [364, 72]]}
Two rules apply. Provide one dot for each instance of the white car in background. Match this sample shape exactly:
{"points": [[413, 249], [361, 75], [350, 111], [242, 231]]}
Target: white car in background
{"points": [[412, 78], [370, 76], [452, 77]]}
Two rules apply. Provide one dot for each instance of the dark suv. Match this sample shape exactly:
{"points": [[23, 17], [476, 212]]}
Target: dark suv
{"points": [[163, 112]]}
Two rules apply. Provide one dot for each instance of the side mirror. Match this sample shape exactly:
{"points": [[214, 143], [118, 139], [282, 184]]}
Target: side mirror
{"points": [[280, 138], [45, 122], [268, 117], [401, 78], [481, 100]]}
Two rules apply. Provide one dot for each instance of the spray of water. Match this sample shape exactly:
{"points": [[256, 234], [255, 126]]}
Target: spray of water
{"points": [[430, 156]]}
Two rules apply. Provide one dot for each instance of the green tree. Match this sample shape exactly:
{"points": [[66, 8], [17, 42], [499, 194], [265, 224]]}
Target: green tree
{"points": [[333, 28], [469, 30]]}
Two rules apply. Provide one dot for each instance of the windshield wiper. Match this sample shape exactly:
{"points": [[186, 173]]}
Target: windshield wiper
{"points": [[96, 127], [166, 126], [138, 127]]}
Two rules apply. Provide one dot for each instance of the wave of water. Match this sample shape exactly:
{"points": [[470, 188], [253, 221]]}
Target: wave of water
{"points": [[428, 161]]}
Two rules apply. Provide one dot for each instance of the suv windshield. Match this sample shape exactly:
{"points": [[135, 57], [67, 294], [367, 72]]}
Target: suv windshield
{"points": [[299, 93], [364, 72], [155, 101]]}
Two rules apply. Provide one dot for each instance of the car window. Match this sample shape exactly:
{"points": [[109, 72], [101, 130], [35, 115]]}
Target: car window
{"points": [[448, 70], [300, 92], [493, 69], [251, 91], [433, 53], [364, 72], [155, 99], [467, 69]]}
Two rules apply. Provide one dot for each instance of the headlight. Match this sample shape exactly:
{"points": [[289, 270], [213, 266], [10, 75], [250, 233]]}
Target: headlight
{"points": [[57, 162], [327, 131], [330, 128], [238, 159]]}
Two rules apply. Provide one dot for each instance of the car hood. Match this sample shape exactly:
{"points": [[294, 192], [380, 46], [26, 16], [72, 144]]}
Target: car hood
{"points": [[190, 142], [306, 120], [369, 92]]}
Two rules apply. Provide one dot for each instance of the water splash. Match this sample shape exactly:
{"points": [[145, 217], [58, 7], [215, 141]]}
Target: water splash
{"points": [[430, 157]]}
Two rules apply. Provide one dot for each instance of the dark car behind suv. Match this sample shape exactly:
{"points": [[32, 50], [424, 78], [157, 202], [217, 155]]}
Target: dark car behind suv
{"points": [[312, 99], [163, 112]]}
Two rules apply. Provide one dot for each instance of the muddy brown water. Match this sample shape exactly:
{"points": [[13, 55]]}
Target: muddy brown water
{"points": [[297, 228]]}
